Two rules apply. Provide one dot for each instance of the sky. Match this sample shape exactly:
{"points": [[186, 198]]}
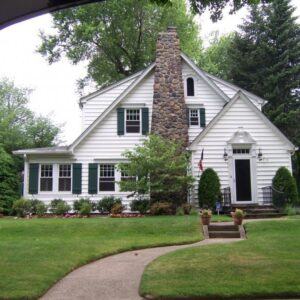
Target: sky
{"points": [[54, 86]]}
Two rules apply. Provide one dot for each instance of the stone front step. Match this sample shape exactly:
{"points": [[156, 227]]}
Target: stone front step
{"points": [[224, 234], [255, 211], [222, 231], [263, 215]]}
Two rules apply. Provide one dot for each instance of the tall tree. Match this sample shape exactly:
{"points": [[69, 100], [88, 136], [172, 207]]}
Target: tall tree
{"points": [[19, 127], [9, 182], [216, 57], [265, 59], [117, 37]]}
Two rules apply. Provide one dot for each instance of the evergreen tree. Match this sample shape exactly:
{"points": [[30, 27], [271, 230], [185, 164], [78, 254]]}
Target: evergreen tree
{"points": [[8, 182], [265, 59]]}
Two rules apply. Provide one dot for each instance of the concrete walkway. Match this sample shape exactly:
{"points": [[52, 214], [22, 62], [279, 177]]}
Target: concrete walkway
{"points": [[115, 277]]}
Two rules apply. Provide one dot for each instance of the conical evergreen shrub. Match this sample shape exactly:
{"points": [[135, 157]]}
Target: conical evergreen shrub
{"points": [[284, 188], [209, 189]]}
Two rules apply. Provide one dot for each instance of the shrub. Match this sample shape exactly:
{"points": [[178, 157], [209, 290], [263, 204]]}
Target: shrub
{"points": [[209, 189], [59, 207], [180, 211], [290, 210], [186, 208], [33, 205], [41, 209], [78, 204], [238, 213], [206, 213], [140, 205], [117, 208], [284, 188], [161, 208], [85, 209], [194, 212], [21, 207], [107, 203]]}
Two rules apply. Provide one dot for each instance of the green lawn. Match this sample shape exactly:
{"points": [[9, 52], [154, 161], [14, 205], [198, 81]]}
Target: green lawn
{"points": [[266, 265], [36, 253], [221, 218]]}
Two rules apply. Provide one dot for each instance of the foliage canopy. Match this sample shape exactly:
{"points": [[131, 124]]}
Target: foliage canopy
{"points": [[117, 38], [159, 166]]}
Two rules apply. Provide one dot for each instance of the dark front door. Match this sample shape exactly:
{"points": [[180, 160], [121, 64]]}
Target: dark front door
{"points": [[243, 180]]}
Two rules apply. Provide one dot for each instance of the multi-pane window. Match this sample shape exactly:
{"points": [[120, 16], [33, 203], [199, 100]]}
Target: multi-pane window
{"points": [[190, 88], [241, 151], [133, 118], [194, 117], [126, 177], [64, 180], [107, 177], [46, 178]]}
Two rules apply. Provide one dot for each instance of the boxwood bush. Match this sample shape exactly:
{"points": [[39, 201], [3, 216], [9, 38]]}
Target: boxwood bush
{"points": [[106, 204], [59, 207], [140, 205], [79, 203], [284, 188], [21, 207], [209, 189]]}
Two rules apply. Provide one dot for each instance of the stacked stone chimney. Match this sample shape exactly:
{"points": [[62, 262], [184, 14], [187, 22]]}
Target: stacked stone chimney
{"points": [[169, 117]]}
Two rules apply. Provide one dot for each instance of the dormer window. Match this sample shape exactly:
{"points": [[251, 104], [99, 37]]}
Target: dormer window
{"points": [[190, 87]]}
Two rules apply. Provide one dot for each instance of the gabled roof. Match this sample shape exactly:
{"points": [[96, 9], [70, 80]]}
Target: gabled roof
{"points": [[86, 98], [236, 88], [204, 76], [113, 105], [241, 95]]}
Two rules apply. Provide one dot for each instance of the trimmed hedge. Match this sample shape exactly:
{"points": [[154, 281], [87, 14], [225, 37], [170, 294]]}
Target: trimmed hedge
{"points": [[209, 189], [284, 188]]}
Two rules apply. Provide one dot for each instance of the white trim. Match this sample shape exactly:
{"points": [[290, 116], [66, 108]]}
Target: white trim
{"points": [[242, 96], [203, 76], [125, 121], [259, 100], [86, 98], [112, 106]]}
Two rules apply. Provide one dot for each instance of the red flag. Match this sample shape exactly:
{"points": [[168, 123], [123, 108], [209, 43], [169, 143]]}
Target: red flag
{"points": [[200, 164]]}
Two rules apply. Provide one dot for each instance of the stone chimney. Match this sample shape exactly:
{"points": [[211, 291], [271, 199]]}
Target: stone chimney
{"points": [[169, 118]]}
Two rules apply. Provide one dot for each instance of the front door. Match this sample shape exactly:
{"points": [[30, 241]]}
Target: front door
{"points": [[243, 180]]}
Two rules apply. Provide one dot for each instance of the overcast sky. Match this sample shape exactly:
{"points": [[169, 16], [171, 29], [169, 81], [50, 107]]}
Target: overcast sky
{"points": [[54, 86]]}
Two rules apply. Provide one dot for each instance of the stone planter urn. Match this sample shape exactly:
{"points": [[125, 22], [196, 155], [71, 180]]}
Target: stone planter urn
{"points": [[238, 216], [205, 216]]}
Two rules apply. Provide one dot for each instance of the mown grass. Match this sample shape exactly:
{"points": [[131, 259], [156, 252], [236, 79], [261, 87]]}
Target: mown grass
{"points": [[221, 218], [36, 253], [265, 265]]}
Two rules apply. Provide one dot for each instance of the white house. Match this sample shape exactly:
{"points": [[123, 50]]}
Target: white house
{"points": [[172, 96]]}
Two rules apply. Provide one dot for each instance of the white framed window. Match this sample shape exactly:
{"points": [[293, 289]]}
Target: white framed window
{"points": [[194, 117], [133, 120], [64, 179], [46, 178], [106, 177], [126, 177], [241, 150]]}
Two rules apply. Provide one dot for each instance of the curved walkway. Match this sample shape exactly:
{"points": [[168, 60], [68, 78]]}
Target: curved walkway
{"points": [[115, 277]]}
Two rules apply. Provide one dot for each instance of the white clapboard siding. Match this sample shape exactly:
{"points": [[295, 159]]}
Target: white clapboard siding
{"points": [[95, 106], [103, 143], [275, 151], [204, 97]]}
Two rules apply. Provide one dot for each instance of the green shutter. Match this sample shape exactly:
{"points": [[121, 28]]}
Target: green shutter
{"points": [[120, 113], [33, 178], [145, 120], [188, 117], [93, 178], [76, 179], [202, 117]]}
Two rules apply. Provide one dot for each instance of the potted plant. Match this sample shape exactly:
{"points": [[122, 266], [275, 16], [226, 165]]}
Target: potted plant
{"points": [[205, 216], [238, 216]]}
